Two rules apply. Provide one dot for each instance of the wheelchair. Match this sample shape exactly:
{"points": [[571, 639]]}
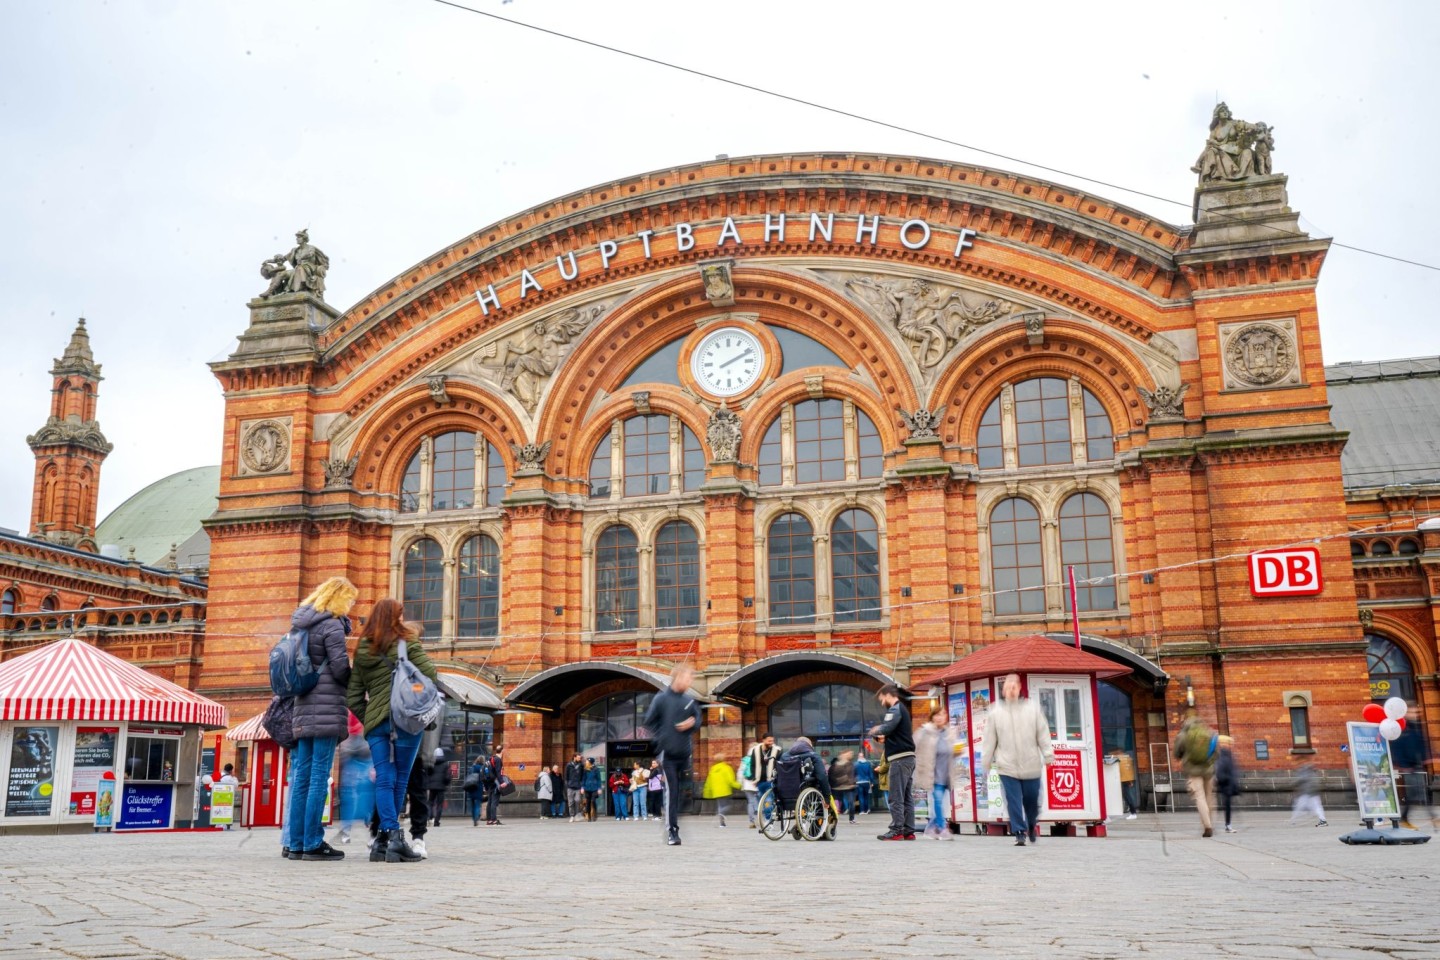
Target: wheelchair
{"points": [[795, 804]]}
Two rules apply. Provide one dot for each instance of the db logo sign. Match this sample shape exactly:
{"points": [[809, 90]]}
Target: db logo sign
{"points": [[1286, 573]]}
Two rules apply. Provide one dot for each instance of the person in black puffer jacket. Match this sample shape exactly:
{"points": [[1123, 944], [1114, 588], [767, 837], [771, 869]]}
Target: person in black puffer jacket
{"points": [[321, 717]]}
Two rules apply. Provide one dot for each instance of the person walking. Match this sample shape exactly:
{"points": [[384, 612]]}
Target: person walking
{"points": [[864, 781], [544, 792], [590, 784], [900, 760], [575, 787], [654, 789], [494, 767], [1227, 778], [392, 750], [1195, 749], [843, 783], [320, 719], [357, 780], [751, 789], [934, 765], [1307, 795], [762, 767], [437, 782], [1129, 792], [1409, 753], [1017, 746], [619, 786], [557, 785], [639, 784], [720, 786], [672, 719], [475, 789]]}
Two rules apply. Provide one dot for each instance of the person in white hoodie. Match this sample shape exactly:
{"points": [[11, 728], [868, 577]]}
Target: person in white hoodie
{"points": [[1017, 746]]}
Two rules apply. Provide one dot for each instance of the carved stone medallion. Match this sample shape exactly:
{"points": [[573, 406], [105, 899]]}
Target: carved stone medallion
{"points": [[1259, 354], [265, 446]]}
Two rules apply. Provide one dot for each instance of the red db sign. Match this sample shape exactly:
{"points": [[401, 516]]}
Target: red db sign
{"points": [[1286, 573]]}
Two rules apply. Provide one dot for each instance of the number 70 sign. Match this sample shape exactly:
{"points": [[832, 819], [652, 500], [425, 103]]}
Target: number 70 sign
{"points": [[1293, 572]]}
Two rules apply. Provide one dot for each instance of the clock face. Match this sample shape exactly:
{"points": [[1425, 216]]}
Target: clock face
{"points": [[728, 361]]}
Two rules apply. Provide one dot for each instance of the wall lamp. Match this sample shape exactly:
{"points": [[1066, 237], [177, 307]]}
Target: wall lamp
{"points": [[1189, 693]]}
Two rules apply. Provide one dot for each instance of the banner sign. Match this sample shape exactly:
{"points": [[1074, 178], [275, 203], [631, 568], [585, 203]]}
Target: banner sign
{"points": [[1064, 782], [94, 758], [222, 804], [1294, 572], [1372, 771], [146, 806], [30, 791]]}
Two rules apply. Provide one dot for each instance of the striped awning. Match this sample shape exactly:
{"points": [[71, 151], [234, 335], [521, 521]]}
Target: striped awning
{"points": [[252, 729], [71, 680]]}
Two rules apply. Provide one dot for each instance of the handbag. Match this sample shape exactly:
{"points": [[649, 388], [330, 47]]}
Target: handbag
{"points": [[471, 783], [504, 785]]}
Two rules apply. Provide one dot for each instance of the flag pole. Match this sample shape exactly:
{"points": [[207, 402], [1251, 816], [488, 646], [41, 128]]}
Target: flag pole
{"points": [[1074, 608]]}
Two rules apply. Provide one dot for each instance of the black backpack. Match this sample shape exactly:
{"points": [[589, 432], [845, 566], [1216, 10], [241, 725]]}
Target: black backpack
{"points": [[279, 722]]}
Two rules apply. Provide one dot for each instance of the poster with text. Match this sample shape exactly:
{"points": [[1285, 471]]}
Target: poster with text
{"points": [[1372, 771], [1065, 782], [222, 804], [30, 791], [105, 801], [146, 806], [94, 757], [961, 794], [989, 801]]}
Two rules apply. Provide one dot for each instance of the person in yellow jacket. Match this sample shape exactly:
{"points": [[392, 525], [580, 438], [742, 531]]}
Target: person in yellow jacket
{"points": [[720, 786]]}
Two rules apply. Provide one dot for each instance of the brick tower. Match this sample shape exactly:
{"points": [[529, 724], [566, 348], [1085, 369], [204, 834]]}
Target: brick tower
{"points": [[69, 450]]}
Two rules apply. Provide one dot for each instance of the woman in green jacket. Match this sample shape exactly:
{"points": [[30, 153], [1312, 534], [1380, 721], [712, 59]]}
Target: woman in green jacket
{"points": [[368, 697]]}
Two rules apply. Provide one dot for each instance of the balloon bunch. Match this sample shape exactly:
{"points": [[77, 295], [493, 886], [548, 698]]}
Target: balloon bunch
{"points": [[1390, 716]]}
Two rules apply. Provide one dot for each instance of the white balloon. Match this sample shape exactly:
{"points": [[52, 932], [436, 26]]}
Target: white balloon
{"points": [[1395, 708], [1390, 728]]}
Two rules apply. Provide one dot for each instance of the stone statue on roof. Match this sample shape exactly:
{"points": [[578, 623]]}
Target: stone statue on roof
{"points": [[302, 270], [1234, 150]]}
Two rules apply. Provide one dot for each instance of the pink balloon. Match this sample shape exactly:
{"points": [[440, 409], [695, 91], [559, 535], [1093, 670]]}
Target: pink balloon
{"points": [[1373, 713]]}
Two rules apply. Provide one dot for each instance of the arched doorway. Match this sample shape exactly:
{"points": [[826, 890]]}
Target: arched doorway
{"points": [[1391, 672], [835, 716]]}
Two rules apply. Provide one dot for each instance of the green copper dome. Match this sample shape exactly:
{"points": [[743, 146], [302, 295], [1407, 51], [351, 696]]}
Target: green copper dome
{"points": [[166, 512]]}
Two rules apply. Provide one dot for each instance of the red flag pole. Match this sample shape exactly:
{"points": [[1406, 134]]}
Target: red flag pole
{"points": [[1074, 608]]}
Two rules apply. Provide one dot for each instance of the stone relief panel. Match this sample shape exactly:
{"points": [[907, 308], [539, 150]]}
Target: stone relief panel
{"points": [[1260, 354], [264, 446], [930, 317]]}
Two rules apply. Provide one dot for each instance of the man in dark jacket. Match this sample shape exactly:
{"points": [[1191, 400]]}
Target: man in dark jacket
{"points": [[437, 781], [900, 759], [671, 720], [575, 786]]}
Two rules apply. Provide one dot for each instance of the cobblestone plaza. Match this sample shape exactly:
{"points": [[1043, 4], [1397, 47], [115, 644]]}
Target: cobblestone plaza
{"points": [[612, 890]]}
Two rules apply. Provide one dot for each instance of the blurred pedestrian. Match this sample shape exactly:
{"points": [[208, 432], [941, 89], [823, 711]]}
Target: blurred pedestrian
{"points": [[720, 786], [1227, 777], [591, 783], [934, 766], [1017, 746], [494, 767], [654, 789], [475, 789], [357, 781], [1129, 793], [1195, 749], [557, 802], [639, 785], [1307, 795], [619, 787], [843, 783], [900, 761], [437, 782], [544, 792], [1409, 753], [864, 782], [882, 775], [672, 719]]}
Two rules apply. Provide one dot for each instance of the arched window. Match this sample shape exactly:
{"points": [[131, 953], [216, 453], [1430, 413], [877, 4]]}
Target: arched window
{"points": [[162, 617], [424, 576], [410, 486], [453, 487], [1380, 548], [600, 469], [51, 602], [1085, 544], [494, 476], [771, 457], [52, 624], [867, 445], [855, 566], [1357, 549], [1041, 418], [617, 580], [647, 455], [36, 624], [1299, 708], [1391, 673], [677, 576], [479, 588], [1017, 569], [8, 599], [826, 711], [129, 620], [146, 619], [791, 546], [1408, 548], [819, 441], [112, 621], [692, 460]]}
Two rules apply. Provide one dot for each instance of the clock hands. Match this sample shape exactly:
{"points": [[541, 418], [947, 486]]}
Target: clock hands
{"points": [[738, 356]]}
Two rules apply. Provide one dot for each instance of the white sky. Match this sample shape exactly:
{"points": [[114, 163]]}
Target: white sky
{"points": [[153, 153]]}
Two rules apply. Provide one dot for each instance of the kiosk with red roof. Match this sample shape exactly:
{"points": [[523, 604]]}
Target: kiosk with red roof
{"points": [[1063, 681]]}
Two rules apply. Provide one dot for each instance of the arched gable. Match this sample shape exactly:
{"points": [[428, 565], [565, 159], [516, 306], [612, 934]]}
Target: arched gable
{"points": [[596, 426], [792, 388]]}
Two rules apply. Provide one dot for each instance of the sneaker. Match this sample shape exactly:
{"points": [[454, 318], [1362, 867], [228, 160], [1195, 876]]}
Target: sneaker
{"points": [[722, 820], [1229, 829], [323, 852], [752, 824], [1407, 824], [909, 836], [295, 854], [1034, 834], [945, 835], [1207, 832], [1323, 823], [1129, 816], [418, 845], [344, 836], [887, 835], [673, 839], [1019, 839], [284, 853]]}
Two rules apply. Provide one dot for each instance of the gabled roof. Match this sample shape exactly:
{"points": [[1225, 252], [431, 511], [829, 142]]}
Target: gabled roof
{"points": [[1034, 654], [71, 680]]}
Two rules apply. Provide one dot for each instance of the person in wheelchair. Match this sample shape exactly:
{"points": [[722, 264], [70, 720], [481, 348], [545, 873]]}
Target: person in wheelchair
{"points": [[796, 812]]}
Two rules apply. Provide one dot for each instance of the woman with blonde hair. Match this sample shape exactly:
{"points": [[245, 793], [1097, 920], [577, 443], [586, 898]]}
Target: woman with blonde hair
{"points": [[321, 720], [392, 751]]}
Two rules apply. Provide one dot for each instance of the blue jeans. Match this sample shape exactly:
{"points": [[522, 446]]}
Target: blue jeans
{"points": [[309, 777], [1022, 801], [862, 796], [477, 800], [557, 808], [845, 802], [620, 804], [939, 807], [391, 776]]}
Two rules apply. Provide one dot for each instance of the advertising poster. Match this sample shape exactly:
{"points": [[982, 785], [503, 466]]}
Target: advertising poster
{"points": [[961, 794], [94, 757], [989, 801], [105, 801], [1370, 766], [222, 804], [30, 791], [1064, 782], [146, 806]]}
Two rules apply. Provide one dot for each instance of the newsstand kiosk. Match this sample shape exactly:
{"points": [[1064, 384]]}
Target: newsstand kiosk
{"points": [[1063, 681]]}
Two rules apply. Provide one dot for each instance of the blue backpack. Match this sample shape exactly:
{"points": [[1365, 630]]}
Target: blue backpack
{"points": [[291, 672]]}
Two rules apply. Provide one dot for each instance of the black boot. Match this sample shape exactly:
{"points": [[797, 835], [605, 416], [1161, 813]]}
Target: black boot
{"points": [[378, 845], [398, 850]]}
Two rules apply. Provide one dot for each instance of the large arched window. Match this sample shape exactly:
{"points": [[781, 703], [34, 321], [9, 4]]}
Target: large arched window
{"points": [[1391, 673], [424, 575], [1086, 545], [855, 566], [449, 472], [677, 576], [617, 580], [821, 433], [8, 599], [791, 546], [51, 602], [479, 588], [1040, 413], [646, 455], [825, 712], [1017, 567]]}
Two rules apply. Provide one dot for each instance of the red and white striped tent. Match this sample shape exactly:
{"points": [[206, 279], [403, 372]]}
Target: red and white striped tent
{"points": [[71, 680], [250, 730]]}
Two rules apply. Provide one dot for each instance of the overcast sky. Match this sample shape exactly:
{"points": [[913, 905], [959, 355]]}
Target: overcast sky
{"points": [[153, 153]]}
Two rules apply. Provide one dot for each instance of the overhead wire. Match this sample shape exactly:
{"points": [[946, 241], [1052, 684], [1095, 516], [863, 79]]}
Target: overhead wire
{"points": [[901, 128]]}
